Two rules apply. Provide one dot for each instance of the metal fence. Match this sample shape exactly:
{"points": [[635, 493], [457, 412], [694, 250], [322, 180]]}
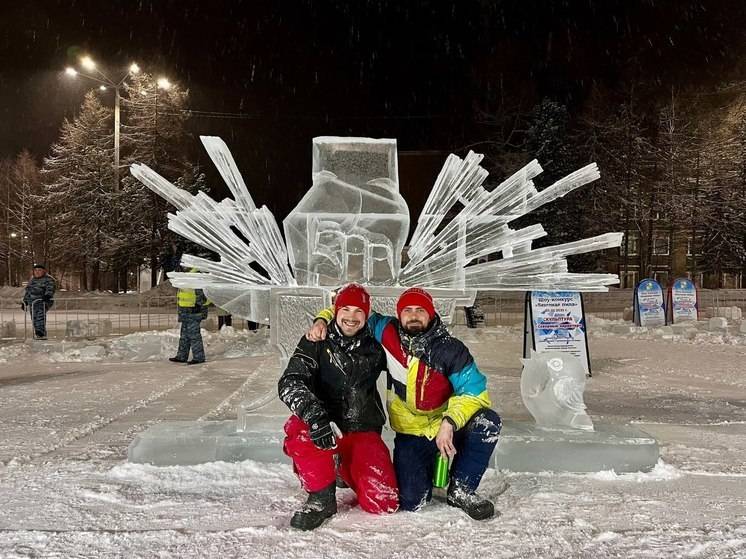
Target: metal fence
{"points": [[91, 317]]}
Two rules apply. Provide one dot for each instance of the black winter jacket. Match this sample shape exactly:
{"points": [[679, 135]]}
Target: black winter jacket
{"points": [[336, 378]]}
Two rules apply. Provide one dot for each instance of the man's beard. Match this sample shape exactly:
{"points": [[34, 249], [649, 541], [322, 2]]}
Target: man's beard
{"points": [[413, 327]]}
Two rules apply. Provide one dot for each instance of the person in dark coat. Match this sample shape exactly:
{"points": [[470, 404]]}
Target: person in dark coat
{"points": [[330, 386], [38, 299]]}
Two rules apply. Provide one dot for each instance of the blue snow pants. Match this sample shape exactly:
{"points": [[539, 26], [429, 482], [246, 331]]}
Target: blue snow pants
{"points": [[191, 338], [414, 459]]}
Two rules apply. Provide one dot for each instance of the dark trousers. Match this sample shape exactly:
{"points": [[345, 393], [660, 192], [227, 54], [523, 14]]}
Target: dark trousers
{"points": [[224, 320], [38, 310], [190, 338], [414, 458]]}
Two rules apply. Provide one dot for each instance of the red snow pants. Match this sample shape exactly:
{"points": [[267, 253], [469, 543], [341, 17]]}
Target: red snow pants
{"points": [[365, 465]]}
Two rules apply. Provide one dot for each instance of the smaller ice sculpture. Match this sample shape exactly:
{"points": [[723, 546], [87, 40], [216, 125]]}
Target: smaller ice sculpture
{"points": [[552, 386]]}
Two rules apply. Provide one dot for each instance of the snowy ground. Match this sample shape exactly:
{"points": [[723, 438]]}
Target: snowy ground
{"points": [[67, 491]]}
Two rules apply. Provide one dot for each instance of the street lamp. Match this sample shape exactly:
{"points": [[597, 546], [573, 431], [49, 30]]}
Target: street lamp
{"points": [[88, 64], [10, 250]]}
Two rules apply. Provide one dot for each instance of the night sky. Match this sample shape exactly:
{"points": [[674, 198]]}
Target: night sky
{"points": [[422, 72]]}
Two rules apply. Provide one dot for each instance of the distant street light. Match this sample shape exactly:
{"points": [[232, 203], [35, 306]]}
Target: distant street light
{"points": [[88, 64]]}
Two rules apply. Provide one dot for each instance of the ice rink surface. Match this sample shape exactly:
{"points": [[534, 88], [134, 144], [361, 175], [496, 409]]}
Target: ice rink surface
{"points": [[66, 489]]}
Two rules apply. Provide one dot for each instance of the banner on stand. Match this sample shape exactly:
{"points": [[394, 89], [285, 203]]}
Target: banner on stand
{"points": [[649, 307], [683, 304], [555, 321]]}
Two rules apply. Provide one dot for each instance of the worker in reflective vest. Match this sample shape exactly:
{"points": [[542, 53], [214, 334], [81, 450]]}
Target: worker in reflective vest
{"points": [[192, 305]]}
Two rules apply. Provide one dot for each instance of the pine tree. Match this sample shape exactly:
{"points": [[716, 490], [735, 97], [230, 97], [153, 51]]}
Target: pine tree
{"points": [[153, 133], [78, 188]]}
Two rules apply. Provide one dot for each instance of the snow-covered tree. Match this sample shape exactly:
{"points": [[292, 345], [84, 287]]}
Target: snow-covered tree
{"points": [[21, 232], [78, 191], [153, 133]]}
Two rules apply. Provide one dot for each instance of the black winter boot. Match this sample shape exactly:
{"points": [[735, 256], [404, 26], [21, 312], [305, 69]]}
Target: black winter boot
{"points": [[319, 506], [472, 504]]}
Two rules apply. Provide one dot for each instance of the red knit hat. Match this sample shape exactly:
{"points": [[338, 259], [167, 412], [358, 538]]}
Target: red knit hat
{"points": [[353, 295], [416, 297]]}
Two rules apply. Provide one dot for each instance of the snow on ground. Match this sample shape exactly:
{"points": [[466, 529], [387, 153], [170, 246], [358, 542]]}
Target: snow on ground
{"points": [[140, 346], [68, 491]]}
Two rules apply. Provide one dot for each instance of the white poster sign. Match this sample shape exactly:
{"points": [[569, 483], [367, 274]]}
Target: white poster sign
{"points": [[648, 306], [683, 301], [555, 321]]}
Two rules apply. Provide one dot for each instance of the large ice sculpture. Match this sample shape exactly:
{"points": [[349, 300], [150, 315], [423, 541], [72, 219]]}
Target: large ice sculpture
{"points": [[552, 386], [352, 225]]}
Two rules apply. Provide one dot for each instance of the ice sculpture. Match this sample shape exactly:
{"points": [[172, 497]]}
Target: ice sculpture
{"points": [[564, 439], [552, 386], [352, 225]]}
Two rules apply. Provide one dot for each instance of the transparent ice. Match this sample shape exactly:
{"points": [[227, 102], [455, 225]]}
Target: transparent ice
{"points": [[564, 439], [552, 386], [352, 225]]}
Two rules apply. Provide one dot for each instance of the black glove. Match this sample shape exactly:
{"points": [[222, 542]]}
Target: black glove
{"points": [[23, 306], [322, 434]]}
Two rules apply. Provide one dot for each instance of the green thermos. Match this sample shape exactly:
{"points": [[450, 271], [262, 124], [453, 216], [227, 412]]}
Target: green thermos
{"points": [[440, 471]]}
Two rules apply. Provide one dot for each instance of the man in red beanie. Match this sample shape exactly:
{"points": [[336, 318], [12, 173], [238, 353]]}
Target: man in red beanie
{"points": [[330, 386], [437, 403]]}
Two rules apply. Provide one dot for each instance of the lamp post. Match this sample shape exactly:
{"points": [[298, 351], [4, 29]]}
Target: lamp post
{"points": [[10, 251], [92, 72]]}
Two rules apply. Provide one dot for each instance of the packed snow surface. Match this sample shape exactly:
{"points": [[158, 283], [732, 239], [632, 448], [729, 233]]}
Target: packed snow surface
{"points": [[67, 490]]}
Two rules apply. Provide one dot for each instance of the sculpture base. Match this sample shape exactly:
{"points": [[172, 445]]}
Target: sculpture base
{"points": [[524, 447], [186, 443]]}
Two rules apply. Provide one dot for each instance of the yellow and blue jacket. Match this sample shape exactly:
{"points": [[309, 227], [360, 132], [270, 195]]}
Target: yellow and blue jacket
{"points": [[431, 375]]}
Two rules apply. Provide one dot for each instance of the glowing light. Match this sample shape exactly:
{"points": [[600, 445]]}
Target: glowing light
{"points": [[72, 72], [163, 83], [87, 63], [102, 87], [134, 68]]}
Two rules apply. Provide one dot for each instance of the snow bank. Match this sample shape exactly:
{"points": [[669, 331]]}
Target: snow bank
{"points": [[699, 332], [140, 347]]}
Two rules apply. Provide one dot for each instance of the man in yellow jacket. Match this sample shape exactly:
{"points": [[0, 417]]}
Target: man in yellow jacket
{"points": [[437, 403], [192, 306]]}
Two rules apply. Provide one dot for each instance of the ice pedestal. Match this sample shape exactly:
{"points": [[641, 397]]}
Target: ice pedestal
{"points": [[525, 447], [186, 443]]}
